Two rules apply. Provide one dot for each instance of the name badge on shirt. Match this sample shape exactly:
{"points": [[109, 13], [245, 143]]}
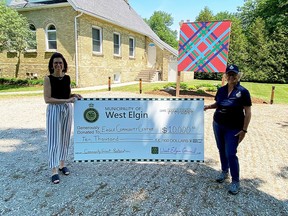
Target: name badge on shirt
{"points": [[238, 95]]}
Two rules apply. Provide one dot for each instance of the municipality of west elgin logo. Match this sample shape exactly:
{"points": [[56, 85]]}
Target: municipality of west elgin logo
{"points": [[91, 114]]}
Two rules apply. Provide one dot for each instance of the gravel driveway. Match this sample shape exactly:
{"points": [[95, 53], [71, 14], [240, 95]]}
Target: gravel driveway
{"points": [[136, 188]]}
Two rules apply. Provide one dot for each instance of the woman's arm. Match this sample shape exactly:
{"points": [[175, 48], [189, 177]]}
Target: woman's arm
{"points": [[78, 96], [211, 106], [47, 94], [247, 119]]}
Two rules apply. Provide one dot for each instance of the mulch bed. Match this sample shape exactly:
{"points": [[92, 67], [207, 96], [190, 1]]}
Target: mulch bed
{"points": [[194, 94]]}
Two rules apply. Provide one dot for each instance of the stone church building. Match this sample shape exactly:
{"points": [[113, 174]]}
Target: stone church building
{"points": [[98, 38]]}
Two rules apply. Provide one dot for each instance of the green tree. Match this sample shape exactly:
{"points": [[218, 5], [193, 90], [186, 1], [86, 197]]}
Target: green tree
{"points": [[205, 15], [238, 41], [272, 54], [274, 12], [247, 12], [14, 32], [275, 15], [258, 51], [160, 23], [278, 61]]}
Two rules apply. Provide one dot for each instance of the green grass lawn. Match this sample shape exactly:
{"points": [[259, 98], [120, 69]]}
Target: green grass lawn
{"points": [[14, 88], [264, 90], [257, 90]]}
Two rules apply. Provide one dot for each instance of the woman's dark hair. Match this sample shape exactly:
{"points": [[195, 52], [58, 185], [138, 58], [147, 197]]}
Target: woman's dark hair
{"points": [[50, 65]]}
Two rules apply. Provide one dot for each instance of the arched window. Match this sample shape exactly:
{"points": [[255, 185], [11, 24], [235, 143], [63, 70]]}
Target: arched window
{"points": [[51, 37], [31, 42]]}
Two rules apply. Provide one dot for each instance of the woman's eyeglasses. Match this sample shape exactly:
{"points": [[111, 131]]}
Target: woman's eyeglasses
{"points": [[231, 74], [60, 63]]}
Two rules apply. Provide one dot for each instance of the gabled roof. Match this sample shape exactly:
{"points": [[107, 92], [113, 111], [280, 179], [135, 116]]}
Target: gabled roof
{"points": [[118, 12], [18, 4]]}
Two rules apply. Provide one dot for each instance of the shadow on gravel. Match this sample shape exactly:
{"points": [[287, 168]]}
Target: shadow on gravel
{"points": [[118, 188], [283, 124], [284, 173]]}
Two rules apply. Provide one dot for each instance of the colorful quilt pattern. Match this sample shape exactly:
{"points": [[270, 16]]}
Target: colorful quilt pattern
{"points": [[203, 46]]}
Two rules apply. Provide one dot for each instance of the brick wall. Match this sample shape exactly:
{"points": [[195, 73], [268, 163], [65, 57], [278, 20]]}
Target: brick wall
{"points": [[95, 69], [92, 69], [37, 62]]}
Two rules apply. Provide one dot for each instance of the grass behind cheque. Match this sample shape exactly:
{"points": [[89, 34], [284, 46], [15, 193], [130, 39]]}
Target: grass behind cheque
{"points": [[257, 90]]}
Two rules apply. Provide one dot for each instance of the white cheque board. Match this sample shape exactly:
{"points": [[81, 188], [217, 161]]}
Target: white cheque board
{"points": [[139, 129]]}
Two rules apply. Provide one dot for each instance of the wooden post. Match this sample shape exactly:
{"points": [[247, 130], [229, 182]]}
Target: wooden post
{"points": [[109, 83], [272, 95], [140, 86], [178, 84], [223, 79]]}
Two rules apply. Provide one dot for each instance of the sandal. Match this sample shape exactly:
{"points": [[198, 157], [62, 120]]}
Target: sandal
{"points": [[55, 179], [64, 170]]}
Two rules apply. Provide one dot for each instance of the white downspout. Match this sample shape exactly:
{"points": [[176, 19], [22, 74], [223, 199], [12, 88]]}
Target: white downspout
{"points": [[76, 49]]}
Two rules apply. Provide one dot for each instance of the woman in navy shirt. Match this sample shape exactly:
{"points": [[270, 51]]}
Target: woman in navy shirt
{"points": [[230, 124]]}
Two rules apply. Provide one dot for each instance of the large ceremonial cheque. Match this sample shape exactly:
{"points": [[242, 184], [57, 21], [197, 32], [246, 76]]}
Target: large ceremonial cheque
{"points": [[139, 129]]}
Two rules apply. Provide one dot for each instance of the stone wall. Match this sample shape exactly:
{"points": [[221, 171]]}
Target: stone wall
{"points": [[93, 69], [37, 62]]}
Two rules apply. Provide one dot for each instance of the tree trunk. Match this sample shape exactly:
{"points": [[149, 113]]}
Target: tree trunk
{"points": [[17, 65]]}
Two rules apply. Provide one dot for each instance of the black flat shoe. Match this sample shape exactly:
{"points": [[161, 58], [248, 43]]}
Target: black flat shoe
{"points": [[55, 179], [65, 171]]}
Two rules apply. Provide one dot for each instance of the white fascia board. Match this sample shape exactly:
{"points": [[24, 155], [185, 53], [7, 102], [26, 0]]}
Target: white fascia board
{"points": [[43, 7]]}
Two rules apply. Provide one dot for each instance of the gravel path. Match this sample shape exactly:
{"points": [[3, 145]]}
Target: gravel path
{"points": [[129, 188]]}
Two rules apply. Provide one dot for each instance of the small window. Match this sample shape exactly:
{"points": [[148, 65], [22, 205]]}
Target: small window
{"points": [[51, 37], [97, 40], [117, 78], [31, 42], [117, 44], [131, 47]]}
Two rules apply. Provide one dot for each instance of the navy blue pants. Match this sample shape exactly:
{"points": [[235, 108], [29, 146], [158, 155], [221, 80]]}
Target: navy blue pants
{"points": [[227, 144]]}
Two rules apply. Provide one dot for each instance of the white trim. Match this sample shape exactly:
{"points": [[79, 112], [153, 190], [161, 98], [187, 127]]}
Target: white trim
{"points": [[46, 38], [27, 50], [76, 49], [117, 77], [66, 4]]}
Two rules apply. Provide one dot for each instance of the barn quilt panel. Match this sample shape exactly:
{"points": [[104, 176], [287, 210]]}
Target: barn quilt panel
{"points": [[204, 46]]}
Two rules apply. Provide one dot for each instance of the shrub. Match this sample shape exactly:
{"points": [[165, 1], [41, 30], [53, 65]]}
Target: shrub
{"points": [[156, 89], [206, 85], [211, 89], [36, 82], [192, 87], [207, 76], [183, 86], [170, 85], [13, 81], [73, 84], [20, 82], [200, 91], [26, 82]]}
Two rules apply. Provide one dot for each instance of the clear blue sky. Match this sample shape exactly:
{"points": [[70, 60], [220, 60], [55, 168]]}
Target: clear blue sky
{"points": [[183, 9]]}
